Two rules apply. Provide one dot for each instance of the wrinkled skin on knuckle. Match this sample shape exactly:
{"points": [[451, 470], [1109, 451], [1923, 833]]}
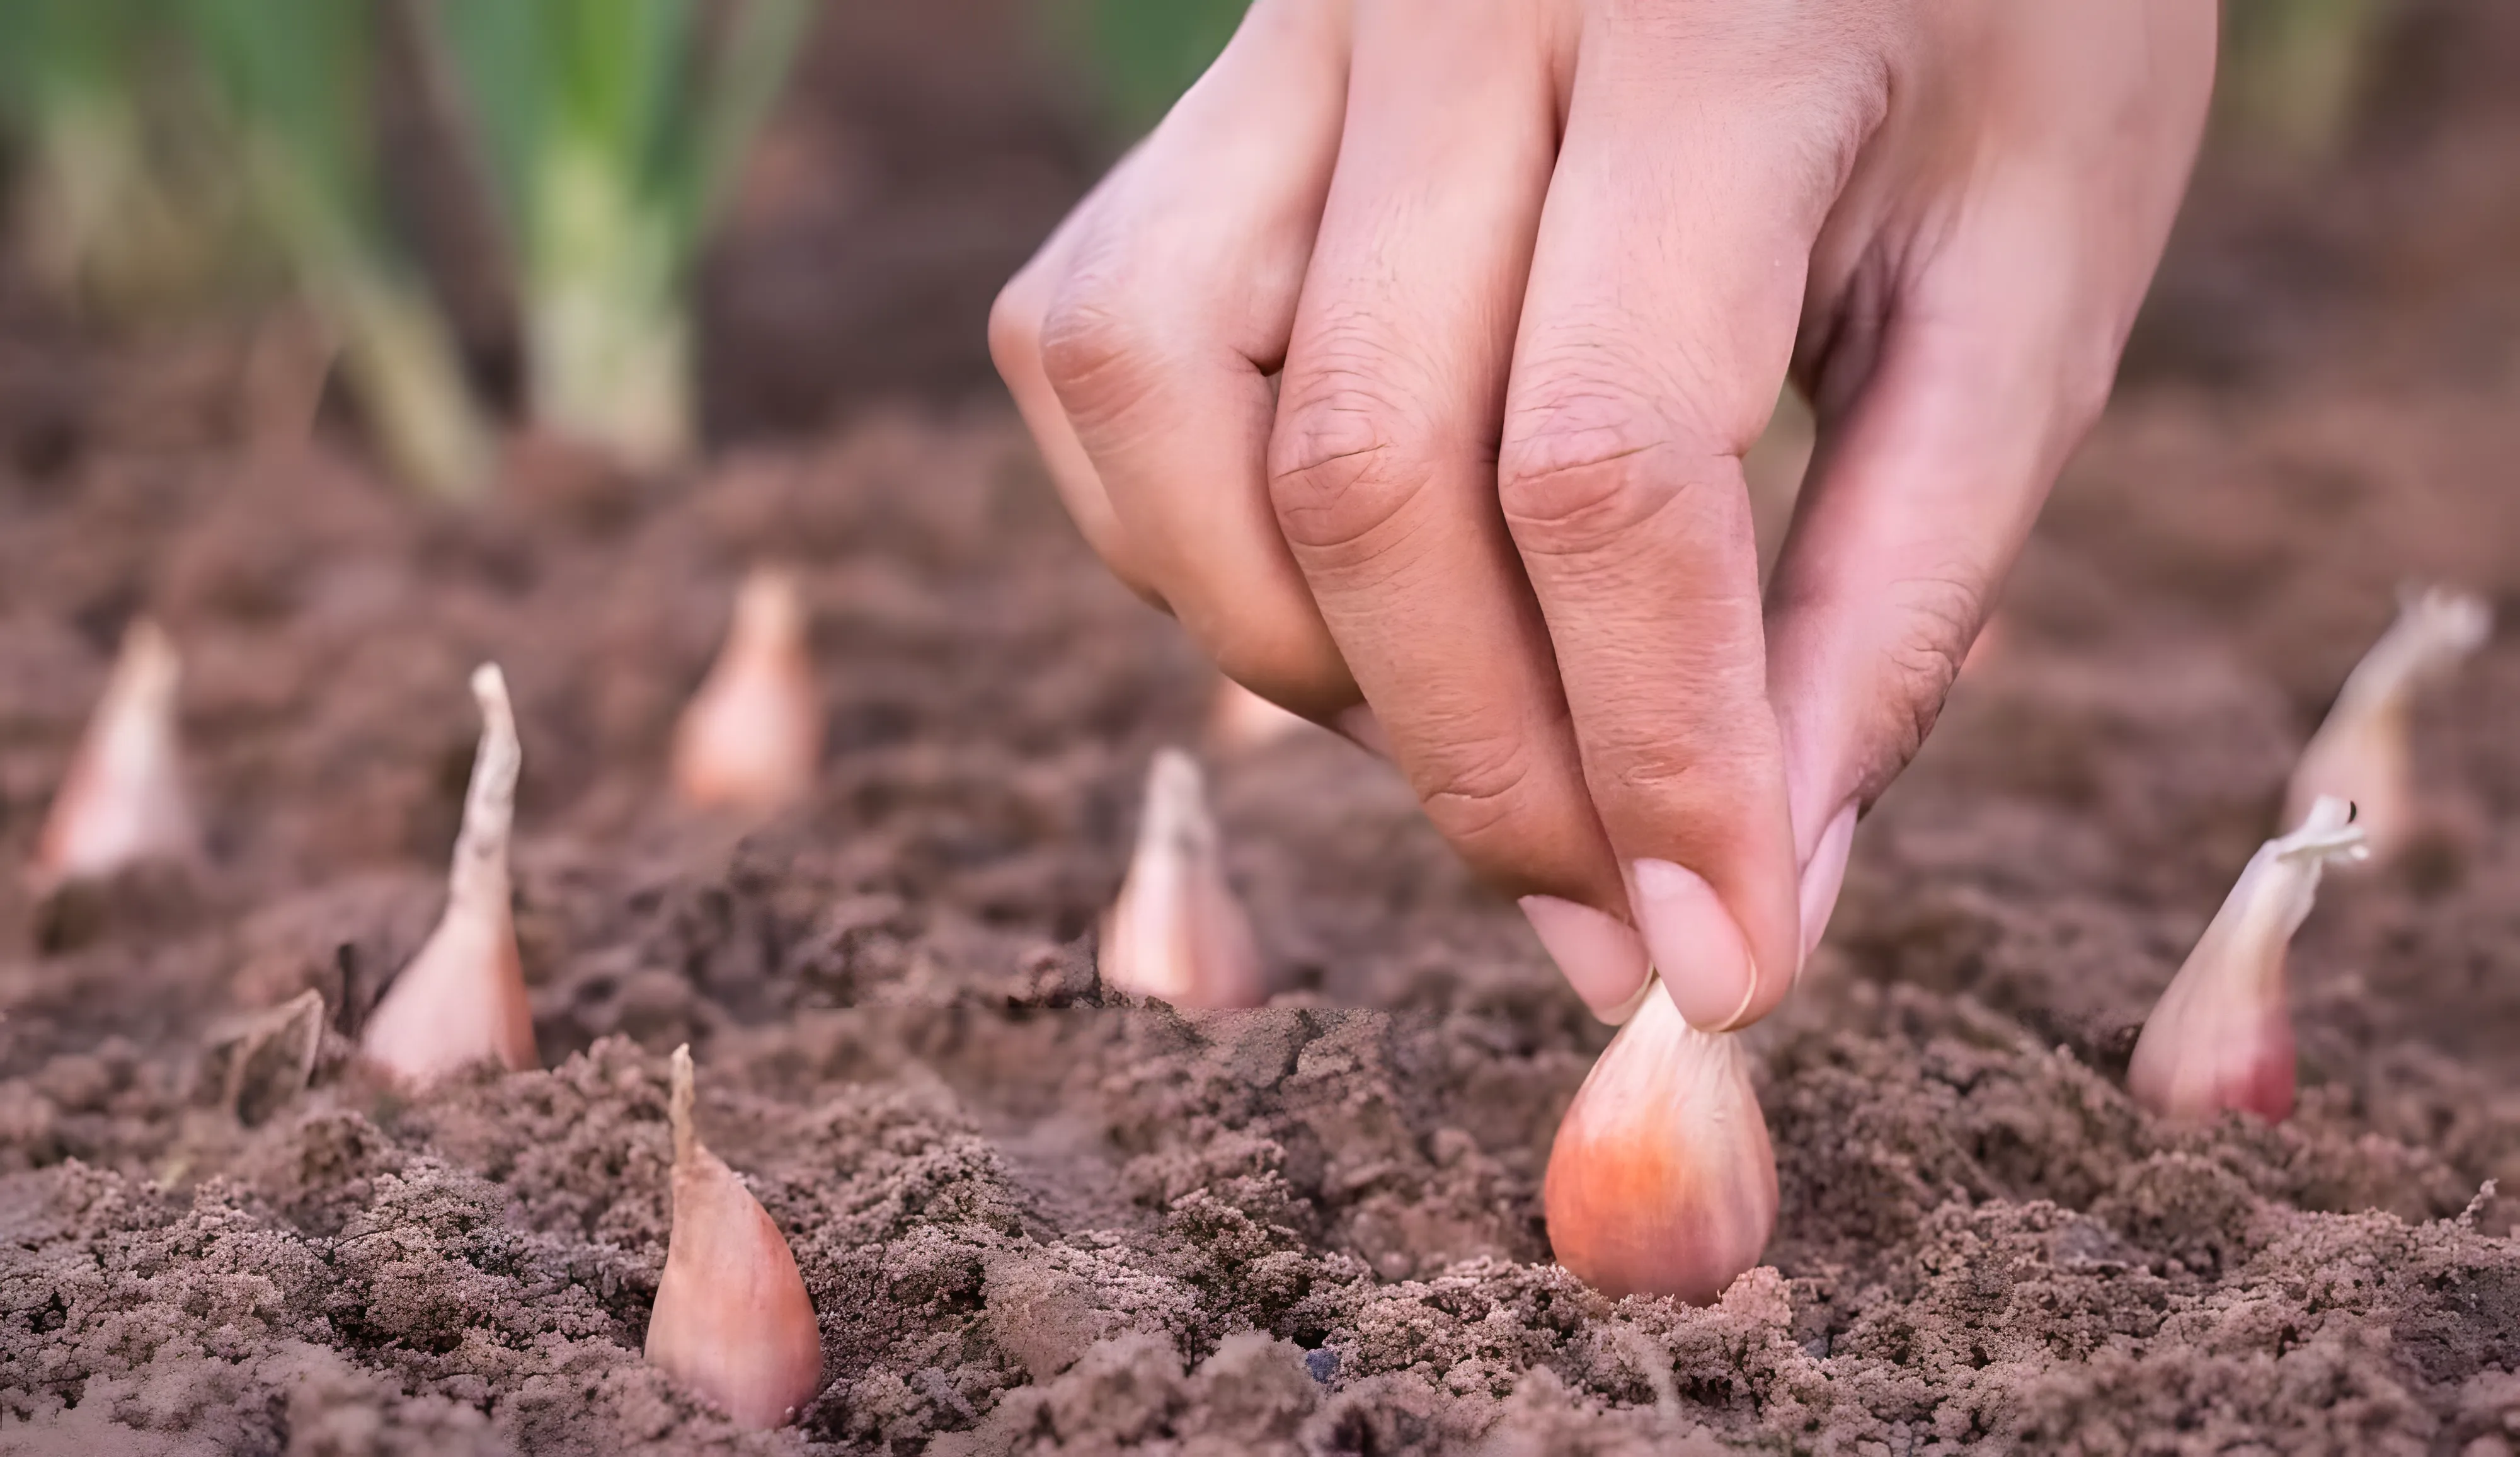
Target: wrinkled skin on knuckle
{"points": [[1580, 469], [1483, 795], [1939, 619], [1339, 469], [1097, 348]]}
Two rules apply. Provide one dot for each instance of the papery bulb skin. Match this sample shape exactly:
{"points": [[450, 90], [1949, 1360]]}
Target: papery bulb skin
{"points": [[1240, 721], [753, 735], [733, 1320], [1178, 931], [1662, 1181], [123, 800], [462, 1000], [2361, 752], [2220, 1038]]}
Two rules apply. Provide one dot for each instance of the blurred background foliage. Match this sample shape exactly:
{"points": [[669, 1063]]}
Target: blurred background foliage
{"points": [[1141, 55], [168, 155]]}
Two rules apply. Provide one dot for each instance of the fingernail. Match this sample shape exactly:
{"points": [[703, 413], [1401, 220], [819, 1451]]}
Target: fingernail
{"points": [[1701, 953], [1600, 958], [1825, 875], [1365, 731]]}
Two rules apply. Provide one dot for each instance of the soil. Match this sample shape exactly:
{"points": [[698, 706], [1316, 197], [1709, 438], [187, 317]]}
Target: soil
{"points": [[1034, 1218]]}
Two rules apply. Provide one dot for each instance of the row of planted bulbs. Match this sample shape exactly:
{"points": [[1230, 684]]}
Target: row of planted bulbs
{"points": [[1661, 1179]]}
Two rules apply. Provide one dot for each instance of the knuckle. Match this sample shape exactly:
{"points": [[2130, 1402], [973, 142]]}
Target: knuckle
{"points": [[1938, 618], [1095, 348], [1578, 469], [1341, 463], [1478, 792]]}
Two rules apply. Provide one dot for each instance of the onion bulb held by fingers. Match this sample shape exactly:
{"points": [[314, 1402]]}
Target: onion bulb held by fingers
{"points": [[2220, 1038], [752, 734], [1662, 1181], [1176, 932], [2360, 754], [733, 1320], [462, 1000], [123, 800]]}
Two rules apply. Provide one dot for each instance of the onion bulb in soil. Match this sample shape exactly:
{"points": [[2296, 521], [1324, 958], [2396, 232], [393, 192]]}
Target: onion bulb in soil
{"points": [[462, 1000], [123, 800], [2220, 1038], [752, 735], [2360, 753], [732, 1319], [1662, 1181], [1178, 931]]}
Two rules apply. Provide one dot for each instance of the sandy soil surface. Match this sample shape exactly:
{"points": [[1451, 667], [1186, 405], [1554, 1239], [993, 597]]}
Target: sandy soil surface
{"points": [[1034, 1220]]}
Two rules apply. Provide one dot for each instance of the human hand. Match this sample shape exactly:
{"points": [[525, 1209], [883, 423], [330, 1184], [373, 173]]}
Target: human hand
{"points": [[1411, 360]]}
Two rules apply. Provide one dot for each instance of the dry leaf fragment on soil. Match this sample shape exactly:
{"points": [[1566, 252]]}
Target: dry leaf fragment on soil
{"points": [[732, 1318], [1177, 931], [2220, 1038], [1662, 1180], [123, 800], [2360, 753], [254, 1064], [462, 1000], [752, 735]]}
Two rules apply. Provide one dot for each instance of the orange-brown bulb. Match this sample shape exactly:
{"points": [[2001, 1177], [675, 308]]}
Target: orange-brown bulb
{"points": [[462, 1000], [751, 736], [731, 1320], [2360, 754], [1662, 1181], [123, 800], [1177, 931], [2220, 1038]]}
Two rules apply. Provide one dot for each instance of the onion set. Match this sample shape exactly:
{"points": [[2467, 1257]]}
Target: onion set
{"points": [[2220, 1038], [123, 800], [752, 735], [1177, 931], [732, 1319], [462, 1000], [1662, 1181], [2360, 754]]}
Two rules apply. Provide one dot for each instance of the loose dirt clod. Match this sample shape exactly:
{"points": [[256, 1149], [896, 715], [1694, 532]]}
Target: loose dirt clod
{"points": [[750, 737], [732, 1319], [1178, 931], [1662, 1180], [462, 1000], [124, 799], [2220, 1038]]}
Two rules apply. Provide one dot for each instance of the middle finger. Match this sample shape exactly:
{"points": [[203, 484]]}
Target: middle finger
{"points": [[1383, 465]]}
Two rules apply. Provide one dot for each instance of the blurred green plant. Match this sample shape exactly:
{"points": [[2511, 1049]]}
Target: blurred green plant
{"points": [[294, 79], [2294, 71], [113, 212], [611, 131], [1141, 54]]}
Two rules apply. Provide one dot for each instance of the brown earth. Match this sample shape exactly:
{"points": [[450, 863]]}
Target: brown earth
{"points": [[1034, 1220]]}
